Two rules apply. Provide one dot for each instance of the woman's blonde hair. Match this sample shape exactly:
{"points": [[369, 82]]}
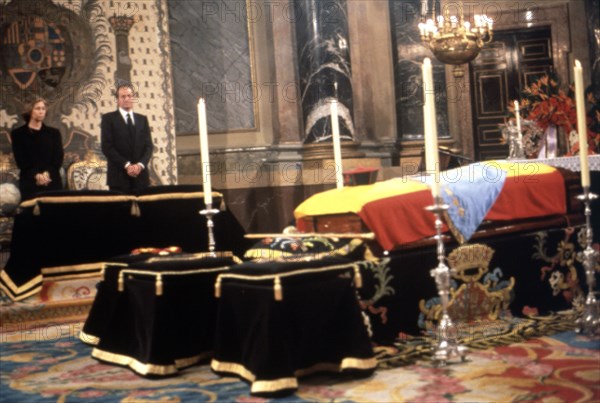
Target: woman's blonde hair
{"points": [[28, 108]]}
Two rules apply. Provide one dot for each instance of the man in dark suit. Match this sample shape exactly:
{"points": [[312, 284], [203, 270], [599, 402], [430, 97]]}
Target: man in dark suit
{"points": [[126, 143]]}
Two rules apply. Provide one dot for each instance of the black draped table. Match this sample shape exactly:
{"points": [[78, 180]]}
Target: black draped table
{"points": [[74, 232], [156, 315], [279, 321], [268, 323]]}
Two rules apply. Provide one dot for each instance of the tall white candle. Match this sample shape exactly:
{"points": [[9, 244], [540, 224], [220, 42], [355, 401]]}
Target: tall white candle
{"points": [[337, 147], [204, 155], [432, 158], [518, 119], [581, 124]]}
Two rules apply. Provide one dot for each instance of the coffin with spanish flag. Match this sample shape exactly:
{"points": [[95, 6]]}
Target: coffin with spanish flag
{"points": [[479, 196], [515, 231]]}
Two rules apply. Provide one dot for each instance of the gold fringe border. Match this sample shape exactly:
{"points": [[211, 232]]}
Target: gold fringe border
{"points": [[170, 196], [113, 198], [89, 338], [146, 368], [275, 385], [76, 199], [195, 256], [34, 286], [16, 293], [260, 277]]}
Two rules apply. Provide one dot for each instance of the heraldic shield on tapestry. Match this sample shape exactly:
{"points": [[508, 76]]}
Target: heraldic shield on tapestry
{"points": [[46, 50], [477, 295], [34, 48]]}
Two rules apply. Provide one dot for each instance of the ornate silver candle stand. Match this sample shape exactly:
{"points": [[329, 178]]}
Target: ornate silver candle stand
{"points": [[209, 213], [446, 347], [511, 134], [589, 322]]}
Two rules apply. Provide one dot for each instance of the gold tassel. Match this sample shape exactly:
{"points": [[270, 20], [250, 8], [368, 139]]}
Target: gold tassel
{"points": [[159, 285], [135, 209], [121, 282], [222, 205], [357, 277], [218, 287], [36, 209], [278, 290]]}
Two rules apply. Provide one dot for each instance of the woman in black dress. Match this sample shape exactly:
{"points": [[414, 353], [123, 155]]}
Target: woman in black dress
{"points": [[38, 152]]}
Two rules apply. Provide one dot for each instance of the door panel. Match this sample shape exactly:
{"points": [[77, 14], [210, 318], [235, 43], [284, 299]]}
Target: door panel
{"points": [[504, 67], [492, 96]]}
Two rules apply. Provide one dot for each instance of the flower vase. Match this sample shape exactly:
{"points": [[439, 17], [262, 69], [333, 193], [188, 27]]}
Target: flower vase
{"points": [[549, 148]]}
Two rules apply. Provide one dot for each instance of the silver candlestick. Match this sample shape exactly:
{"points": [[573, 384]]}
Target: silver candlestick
{"points": [[446, 347], [209, 213], [515, 142], [589, 322]]}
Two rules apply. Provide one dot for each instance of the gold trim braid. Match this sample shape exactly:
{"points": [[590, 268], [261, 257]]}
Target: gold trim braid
{"points": [[145, 369], [175, 196], [31, 283], [357, 235], [173, 273], [195, 256], [276, 277], [114, 198], [19, 293], [347, 363], [76, 199], [88, 269], [89, 338], [347, 266], [14, 297], [274, 385]]}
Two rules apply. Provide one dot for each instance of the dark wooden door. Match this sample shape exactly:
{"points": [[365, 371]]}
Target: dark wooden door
{"points": [[513, 60]]}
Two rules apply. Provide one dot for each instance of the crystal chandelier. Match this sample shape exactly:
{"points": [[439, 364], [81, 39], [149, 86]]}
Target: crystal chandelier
{"points": [[454, 40]]}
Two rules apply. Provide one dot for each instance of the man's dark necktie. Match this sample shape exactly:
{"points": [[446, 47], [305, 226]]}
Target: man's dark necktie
{"points": [[130, 126]]}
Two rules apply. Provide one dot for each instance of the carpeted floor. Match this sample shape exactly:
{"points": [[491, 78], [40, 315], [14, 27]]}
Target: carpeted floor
{"points": [[50, 364]]}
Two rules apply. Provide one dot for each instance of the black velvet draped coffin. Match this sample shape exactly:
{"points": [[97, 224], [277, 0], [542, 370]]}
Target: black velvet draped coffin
{"points": [[162, 314], [270, 336], [155, 314]]}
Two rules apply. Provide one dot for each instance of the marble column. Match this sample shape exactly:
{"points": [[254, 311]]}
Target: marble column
{"points": [[409, 53], [121, 26], [324, 67]]}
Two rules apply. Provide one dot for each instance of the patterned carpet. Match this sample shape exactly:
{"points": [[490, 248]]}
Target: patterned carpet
{"points": [[50, 364]]}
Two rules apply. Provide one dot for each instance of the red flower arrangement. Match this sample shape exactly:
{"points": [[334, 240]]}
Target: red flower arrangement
{"points": [[544, 103]]}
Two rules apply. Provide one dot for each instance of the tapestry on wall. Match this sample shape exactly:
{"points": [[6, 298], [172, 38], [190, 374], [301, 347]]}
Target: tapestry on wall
{"points": [[49, 51], [72, 54]]}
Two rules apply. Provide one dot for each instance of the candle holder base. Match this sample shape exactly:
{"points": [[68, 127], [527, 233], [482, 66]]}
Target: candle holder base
{"points": [[589, 321], [446, 350], [446, 347], [209, 213]]}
